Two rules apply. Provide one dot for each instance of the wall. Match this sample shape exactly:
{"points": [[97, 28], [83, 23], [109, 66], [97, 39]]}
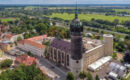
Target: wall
{"points": [[92, 55]]}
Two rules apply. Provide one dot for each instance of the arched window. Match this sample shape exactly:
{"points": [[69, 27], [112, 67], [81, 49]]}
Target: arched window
{"points": [[63, 57], [67, 60]]}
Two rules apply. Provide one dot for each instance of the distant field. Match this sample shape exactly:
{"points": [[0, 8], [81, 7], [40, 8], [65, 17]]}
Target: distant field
{"points": [[30, 7], [7, 19], [122, 10], [88, 17]]}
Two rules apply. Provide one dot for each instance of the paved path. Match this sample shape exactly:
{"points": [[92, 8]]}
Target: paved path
{"points": [[55, 69]]}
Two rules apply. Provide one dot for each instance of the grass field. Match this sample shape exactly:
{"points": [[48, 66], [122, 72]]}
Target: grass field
{"points": [[88, 17], [122, 10], [7, 19]]}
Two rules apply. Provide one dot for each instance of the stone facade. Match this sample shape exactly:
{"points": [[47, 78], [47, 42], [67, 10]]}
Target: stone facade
{"points": [[108, 44], [92, 55], [89, 56], [59, 57]]}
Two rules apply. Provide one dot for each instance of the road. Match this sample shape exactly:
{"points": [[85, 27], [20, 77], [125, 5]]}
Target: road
{"points": [[62, 73], [108, 31]]}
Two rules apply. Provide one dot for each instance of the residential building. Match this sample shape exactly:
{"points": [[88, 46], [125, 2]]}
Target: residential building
{"points": [[25, 59], [33, 45], [11, 37]]}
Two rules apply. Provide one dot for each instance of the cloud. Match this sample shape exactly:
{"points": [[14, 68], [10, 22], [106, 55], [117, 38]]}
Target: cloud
{"points": [[64, 1]]}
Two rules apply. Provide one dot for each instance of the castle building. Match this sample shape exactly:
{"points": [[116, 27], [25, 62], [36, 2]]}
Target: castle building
{"points": [[78, 53], [93, 49]]}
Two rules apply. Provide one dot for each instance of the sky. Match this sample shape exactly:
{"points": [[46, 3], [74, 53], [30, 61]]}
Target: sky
{"points": [[64, 1]]}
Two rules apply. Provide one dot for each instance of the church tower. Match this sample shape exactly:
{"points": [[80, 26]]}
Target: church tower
{"points": [[76, 30]]}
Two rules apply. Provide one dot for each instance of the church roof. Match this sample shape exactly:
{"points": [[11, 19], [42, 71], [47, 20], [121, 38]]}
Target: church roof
{"points": [[62, 45]]}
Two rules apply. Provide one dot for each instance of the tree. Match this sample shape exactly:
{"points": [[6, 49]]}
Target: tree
{"points": [[82, 75], [40, 77], [41, 28], [114, 55], [127, 42], [19, 38], [116, 21], [70, 76], [23, 73], [6, 63], [89, 76], [127, 57], [120, 46], [97, 77], [30, 54]]}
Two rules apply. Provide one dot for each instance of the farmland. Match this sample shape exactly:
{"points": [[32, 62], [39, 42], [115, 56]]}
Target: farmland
{"points": [[122, 10], [88, 17]]}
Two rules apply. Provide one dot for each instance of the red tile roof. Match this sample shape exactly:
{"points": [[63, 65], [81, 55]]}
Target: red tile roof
{"points": [[36, 38], [8, 35], [21, 42], [32, 43], [27, 60], [38, 45]]}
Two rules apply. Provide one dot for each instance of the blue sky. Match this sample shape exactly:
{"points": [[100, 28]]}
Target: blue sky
{"points": [[64, 1]]}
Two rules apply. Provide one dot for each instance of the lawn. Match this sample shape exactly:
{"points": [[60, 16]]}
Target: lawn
{"points": [[7, 19], [88, 17]]}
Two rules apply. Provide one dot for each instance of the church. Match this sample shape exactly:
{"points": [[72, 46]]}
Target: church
{"points": [[79, 52]]}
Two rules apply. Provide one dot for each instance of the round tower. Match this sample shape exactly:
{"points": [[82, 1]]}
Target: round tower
{"points": [[76, 62], [108, 44]]}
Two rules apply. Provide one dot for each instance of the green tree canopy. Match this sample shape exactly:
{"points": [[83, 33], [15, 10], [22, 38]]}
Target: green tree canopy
{"points": [[23, 73], [70, 76], [6, 63], [97, 77], [89, 76], [82, 75]]}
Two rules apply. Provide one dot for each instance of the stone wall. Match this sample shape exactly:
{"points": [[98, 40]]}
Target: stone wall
{"points": [[92, 55]]}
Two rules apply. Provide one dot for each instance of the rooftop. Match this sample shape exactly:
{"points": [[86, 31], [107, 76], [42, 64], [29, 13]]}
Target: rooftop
{"points": [[8, 35], [27, 60], [65, 45], [61, 44], [32, 43]]}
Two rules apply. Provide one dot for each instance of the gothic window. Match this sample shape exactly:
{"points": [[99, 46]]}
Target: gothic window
{"points": [[51, 52], [55, 54], [59, 56], [62, 57], [67, 60]]}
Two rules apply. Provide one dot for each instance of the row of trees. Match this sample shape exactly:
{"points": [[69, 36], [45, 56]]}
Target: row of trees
{"points": [[104, 24], [83, 76]]}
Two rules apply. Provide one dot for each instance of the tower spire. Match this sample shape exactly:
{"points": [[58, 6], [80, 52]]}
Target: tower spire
{"points": [[76, 10]]}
